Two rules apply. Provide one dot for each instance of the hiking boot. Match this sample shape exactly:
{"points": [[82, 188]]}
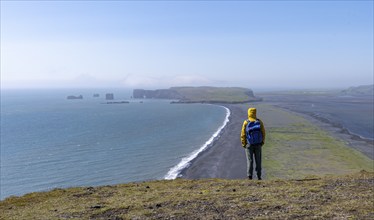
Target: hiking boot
{"points": [[250, 177], [259, 178]]}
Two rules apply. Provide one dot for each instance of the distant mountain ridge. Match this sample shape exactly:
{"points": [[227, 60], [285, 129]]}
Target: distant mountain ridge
{"points": [[359, 90], [203, 94]]}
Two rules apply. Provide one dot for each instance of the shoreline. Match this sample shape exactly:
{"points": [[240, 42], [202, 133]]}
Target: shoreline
{"points": [[338, 131], [176, 170], [225, 157]]}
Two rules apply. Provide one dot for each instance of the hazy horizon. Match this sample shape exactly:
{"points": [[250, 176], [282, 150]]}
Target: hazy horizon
{"points": [[258, 45]]}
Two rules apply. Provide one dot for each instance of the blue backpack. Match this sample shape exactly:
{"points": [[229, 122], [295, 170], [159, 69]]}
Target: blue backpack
{"points": [[253, 132]]}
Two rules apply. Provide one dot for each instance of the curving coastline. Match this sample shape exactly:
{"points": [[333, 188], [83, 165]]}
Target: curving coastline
{"points": [[225, 157], [362, 144], [175, 171]]}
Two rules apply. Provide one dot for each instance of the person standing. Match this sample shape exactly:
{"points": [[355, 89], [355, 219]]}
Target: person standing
{"points": [[253, 138]]}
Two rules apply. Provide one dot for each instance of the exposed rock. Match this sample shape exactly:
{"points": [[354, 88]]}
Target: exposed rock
{"points": [[75, 97], [96, 207], [109, 96]]}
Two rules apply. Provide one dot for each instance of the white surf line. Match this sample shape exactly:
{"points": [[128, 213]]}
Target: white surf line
{"points": [[185, 162]]}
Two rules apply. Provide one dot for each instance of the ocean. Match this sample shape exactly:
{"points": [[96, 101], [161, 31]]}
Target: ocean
{"points": [[48, 141]]}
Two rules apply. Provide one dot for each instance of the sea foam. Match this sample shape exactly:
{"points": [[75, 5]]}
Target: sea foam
{"points": [[175, 171]]}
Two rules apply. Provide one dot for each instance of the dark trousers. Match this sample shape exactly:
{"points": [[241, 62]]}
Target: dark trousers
{"points": [[253, 152]]}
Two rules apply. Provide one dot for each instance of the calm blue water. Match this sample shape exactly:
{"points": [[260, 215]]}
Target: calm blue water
{"points": [[48, 141]]}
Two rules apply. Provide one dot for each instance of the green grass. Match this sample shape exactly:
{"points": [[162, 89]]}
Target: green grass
{"points": [[215, 94], [296, 148], [344, 197]]}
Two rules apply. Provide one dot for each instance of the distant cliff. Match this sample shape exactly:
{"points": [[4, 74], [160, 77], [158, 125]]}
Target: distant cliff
{"points": [[203, 94], [359, 90], [74, 97], [109, 96], [156, 94]]}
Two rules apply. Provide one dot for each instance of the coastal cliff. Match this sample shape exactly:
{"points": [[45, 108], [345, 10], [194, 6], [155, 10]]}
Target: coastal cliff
{"points": [[204, 94], [74, 97], [359, 90], [156, 94]]}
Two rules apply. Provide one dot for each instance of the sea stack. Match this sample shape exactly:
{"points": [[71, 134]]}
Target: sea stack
{"points": [[75, 97], [109, 96]]}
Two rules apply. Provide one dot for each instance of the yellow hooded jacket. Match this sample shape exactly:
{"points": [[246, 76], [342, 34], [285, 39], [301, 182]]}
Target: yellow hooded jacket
{"points": [[251, 117]]}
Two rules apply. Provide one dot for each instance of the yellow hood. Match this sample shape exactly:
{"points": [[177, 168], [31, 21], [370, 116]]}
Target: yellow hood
{"points": [[252, 114]]}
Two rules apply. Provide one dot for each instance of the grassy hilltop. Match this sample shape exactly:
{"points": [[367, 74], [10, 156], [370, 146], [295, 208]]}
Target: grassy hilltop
{"points": [[345, 197], [203, 94], [216, 94]]}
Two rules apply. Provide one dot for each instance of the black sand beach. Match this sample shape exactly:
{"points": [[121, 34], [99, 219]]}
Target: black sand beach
{"points": [[348, 118], [226, 158], [364, 145]]}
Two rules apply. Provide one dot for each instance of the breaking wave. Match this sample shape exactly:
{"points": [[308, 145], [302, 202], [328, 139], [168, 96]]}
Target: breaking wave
{"points": [[175, 171]]}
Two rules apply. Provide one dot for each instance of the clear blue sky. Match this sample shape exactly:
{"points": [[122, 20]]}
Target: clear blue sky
{"points": [[271, 44]]}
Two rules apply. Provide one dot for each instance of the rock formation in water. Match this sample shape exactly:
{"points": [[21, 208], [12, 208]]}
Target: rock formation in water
{"points": [[75, 97], [109, 96]]}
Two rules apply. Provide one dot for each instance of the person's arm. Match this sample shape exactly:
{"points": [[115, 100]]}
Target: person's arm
{"points": [[243, 137], [263, 132]]}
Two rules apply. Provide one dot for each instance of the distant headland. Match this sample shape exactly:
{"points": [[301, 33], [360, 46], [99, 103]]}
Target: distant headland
{"points": [[75, 97], [359, 90], [203, 94]]}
